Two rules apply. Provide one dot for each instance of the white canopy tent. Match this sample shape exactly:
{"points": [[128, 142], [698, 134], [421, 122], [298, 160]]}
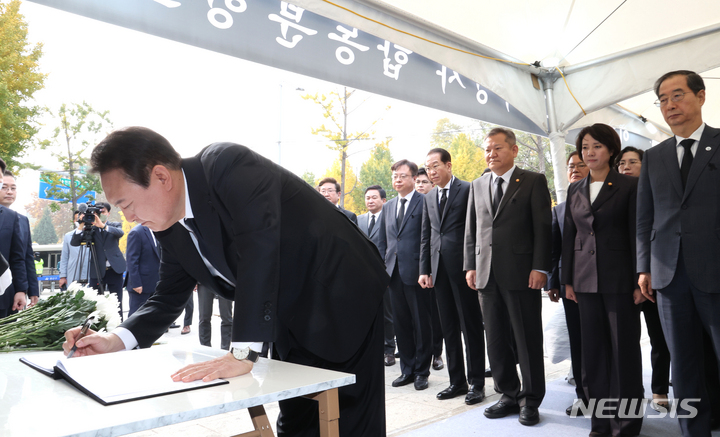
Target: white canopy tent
{"points": [[609, 52]]}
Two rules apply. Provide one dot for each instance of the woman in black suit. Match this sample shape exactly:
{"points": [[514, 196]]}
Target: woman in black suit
{"points": [[599, 274]]}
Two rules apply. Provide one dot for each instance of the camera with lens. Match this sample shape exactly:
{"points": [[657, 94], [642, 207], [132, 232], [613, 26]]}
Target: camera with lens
{"points": [[90, 212]]}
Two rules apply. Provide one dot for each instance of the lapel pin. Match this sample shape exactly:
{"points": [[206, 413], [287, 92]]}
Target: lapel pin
{"points": [[517, 180], [708, 148], [610, 184]]}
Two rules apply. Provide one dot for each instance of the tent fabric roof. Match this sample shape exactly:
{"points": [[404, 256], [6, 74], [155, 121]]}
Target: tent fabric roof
{"points": [[611, 52]]}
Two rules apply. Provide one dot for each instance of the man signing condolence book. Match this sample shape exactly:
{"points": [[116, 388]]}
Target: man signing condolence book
{"points": [[301, 274]]}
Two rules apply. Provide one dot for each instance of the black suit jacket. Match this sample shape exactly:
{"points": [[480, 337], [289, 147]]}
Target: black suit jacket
{"points": [[402, 244], [518, 239], [143, 260], [11, 247], [444, 236], [599, 238], [301, 269], [26, 238], [351, 215]]}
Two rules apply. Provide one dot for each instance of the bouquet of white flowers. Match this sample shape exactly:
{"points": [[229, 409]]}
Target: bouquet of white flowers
{"points": [[43, 326]]}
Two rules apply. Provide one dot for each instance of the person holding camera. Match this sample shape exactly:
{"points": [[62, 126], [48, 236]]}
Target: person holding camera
{"points": [[107, 263]]}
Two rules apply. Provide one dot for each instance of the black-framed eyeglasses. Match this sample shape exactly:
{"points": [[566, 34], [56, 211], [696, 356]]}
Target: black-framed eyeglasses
{"points": [[576, 166], [675, 97]]}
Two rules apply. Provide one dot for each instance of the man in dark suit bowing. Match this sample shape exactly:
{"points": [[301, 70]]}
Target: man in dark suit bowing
{"points": [[301, 275], [375, 198], [508, 238], [678, 254], [400, 246], [441, 266], [143, 266]]}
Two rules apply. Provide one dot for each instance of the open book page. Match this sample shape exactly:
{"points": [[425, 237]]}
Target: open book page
{"points": [[127, 375], [43, 361]]}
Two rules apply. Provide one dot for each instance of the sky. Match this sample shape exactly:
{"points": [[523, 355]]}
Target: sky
{"points": [[195, 97]]}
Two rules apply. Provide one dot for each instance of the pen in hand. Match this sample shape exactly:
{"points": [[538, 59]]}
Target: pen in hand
{"points": [[83, 331]]}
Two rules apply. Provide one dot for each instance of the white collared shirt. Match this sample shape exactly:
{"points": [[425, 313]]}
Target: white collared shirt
{"points": [[446, 187], [506, 181], [409, 198], [695, 136]]}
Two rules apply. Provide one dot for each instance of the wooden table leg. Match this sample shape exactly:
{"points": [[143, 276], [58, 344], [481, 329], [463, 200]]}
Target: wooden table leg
{"points": [[329, 409], [261, 423]]}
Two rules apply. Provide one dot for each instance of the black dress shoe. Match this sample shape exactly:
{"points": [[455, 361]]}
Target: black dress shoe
{"points": [[501, 409], [488, 373], [529, 416], [421, 382], [475, 395], [403, 380], [397, 354], [576, 405], [174, 325], [437, 363], [452, 391], [389, 359]]}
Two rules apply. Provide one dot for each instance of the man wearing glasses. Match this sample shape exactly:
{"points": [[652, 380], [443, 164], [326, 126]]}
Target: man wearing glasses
{"points": [[678, 255], [330, 189], [14, 249]]}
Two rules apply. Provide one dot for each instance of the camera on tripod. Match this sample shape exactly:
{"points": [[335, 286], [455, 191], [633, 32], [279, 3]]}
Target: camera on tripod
{"points": [[89, 211]]}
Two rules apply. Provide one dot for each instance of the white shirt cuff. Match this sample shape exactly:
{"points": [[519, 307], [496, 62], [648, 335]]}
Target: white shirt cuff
{"points": [[257, 347], [127, 338]]}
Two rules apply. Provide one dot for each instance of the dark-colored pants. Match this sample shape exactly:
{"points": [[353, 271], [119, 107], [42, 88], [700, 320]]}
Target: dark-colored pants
{"points": [[136, 300], [460, 316], [112, 282], [517, 313], [362, 405], [189, 307], [411, 319], [659, 354], [684, 312], [388, 329], [205, 306], [437, 335], [612, 361], [572, 320]]}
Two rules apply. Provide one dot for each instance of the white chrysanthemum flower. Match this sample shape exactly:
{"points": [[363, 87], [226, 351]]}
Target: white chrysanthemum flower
{"points": [[106, 305]]}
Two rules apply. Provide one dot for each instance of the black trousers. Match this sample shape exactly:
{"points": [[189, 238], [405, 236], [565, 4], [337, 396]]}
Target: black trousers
{"points": [[612, 361], [362, 405], [659, 353], [517, 313], [206, 298], [437, 335], [411, 320], [572, 320], [388, 329], [460, 316]]}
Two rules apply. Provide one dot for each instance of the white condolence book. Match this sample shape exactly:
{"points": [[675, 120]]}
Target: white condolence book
{"points": [[121, 376]]}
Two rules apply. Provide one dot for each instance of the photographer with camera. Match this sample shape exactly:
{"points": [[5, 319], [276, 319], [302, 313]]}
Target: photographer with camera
{"points": [[107, 263]]}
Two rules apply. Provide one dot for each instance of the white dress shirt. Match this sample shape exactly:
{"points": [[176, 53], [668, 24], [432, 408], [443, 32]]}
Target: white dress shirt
{"points": [[695, 136]]}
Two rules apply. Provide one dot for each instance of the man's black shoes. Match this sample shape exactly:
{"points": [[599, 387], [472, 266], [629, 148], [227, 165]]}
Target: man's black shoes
{"points": [[501, 409], [529, 416], [421, 382], [389, 359], [437, 363], [452, 391], [403, 380], [475, 395]]}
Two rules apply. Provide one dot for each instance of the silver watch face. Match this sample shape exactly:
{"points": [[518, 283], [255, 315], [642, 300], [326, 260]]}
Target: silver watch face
{"points": [[241, 354]]}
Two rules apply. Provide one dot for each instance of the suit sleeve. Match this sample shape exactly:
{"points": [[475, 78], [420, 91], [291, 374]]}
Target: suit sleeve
{"points": [[568, 240], [425, 234], [382, 234], [64, 254], [133, 252], [632, 225], [33, 284], [645, 211], [554, 277], [17, 259], [541, 208], [470, 229], [114, 230]]}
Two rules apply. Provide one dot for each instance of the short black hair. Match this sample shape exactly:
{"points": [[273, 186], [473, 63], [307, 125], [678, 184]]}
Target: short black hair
{"points": [[3, 166], [509, 135], [444, 154], [605, 135], [103, 205], [628, 149], [8, 173], [411, 165], [135, 151], [334, 181], [422, 172], [379, 189], [573, 153], [694, 81]]}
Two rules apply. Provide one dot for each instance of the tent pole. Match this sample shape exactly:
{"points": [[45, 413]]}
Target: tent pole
{"points": [[557, 140]]}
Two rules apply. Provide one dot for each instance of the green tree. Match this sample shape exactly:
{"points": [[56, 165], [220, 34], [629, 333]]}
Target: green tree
{"points": [[309, 177], [468, 160], [44, 232], [444, 133], [338, 135], [19, 80], [79, 127], [376, 171]]}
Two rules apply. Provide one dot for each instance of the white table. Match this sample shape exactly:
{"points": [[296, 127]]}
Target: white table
{"points": [[32, 404]]}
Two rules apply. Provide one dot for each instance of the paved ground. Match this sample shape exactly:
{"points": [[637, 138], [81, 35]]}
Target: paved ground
{"points": [[406, 408]]}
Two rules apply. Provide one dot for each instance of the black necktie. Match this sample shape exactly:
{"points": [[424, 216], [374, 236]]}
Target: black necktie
{"points": [[401, 213], [498, 194], [686, 160], [443, 201], [372, 224]]}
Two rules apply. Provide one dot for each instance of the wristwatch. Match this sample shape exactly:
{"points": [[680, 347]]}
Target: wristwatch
{"points": [[245, 354]]}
